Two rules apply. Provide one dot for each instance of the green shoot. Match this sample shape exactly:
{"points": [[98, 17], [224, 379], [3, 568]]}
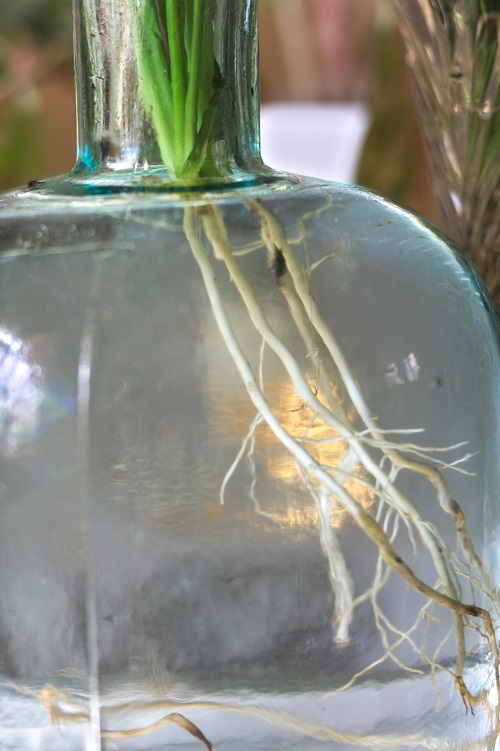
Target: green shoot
{"points": [[180, 80]]}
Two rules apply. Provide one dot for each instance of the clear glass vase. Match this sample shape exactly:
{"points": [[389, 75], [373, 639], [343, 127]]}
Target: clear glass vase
{"points": [[453, 53], [249, 431]]}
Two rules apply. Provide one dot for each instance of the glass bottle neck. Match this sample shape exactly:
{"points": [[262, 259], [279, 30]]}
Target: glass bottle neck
{"points": [[167, 89]]}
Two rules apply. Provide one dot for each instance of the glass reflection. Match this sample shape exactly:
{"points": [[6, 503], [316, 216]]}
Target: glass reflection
{"points": [[20, 392]]}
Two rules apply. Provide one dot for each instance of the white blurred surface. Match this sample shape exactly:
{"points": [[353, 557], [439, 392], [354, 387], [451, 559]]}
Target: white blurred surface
{"points": [[315, 139]]}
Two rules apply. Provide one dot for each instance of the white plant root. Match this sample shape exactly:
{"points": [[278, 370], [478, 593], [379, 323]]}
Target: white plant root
{"points": [[65, 709], [327, 484]]}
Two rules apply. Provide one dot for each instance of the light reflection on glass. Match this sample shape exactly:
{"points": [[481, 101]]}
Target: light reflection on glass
{"points": [[20, 392], [395, 376], [324, 444], [412, 368]]}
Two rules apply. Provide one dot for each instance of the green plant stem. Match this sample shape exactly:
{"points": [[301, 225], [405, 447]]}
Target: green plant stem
{"points": [[175, 39], [154, 73], [175, 57], [194, 69]]}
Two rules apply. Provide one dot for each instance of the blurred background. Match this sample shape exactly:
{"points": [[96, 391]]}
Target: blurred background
{"points": [[336, 98]]}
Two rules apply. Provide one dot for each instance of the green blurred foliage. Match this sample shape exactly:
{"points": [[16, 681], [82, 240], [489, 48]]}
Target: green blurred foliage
{"points": [[45, 21], [18, 152], [393, 161], [40, 29]]}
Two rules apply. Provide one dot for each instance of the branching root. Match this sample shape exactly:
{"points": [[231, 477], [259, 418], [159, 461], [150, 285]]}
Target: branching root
{"points": [[327, 484]]}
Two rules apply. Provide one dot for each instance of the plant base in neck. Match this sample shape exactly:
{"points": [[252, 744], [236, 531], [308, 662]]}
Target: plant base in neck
{"points": [[156, 180]]}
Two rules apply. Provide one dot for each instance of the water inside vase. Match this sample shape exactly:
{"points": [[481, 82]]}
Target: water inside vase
{"points": [[160, 551]]}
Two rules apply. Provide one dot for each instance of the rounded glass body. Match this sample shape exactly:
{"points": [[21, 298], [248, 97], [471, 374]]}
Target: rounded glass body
{"points": [[249, 431], [163, 553]]}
